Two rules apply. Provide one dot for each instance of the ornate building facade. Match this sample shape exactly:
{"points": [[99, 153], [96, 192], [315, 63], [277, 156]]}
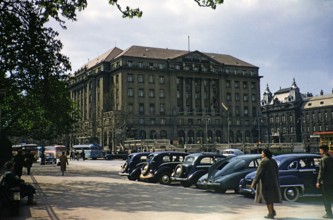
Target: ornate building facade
{"points": [[291, 116], [153, 93]]}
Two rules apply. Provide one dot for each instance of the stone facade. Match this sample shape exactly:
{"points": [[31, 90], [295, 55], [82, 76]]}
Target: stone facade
{"points": [[154, 93], [291, 116]]}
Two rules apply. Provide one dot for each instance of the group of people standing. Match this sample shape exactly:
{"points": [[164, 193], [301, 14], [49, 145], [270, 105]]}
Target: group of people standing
{"points": [[21, 161], [267, 183]]}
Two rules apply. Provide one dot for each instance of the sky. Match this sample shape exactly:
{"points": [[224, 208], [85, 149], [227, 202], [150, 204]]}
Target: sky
{"points": [[286, 39]]}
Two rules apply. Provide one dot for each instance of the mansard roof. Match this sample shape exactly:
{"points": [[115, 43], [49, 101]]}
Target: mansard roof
{"points": [[319, 101], [164, 54]]}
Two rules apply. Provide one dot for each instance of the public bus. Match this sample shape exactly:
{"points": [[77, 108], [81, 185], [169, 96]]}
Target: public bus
{"points": [[55, 150], [25, 148], [147, 145], [92, 151]]}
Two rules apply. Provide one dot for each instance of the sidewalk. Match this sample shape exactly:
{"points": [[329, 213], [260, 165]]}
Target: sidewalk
{"points": [[85, 194]]}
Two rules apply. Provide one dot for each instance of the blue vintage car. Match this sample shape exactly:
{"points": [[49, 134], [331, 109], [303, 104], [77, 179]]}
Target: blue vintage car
{"points": [[194, 166], [132, 167], [226, 173], [297, 174]]}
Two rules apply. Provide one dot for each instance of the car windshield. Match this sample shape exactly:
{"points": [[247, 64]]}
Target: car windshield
{"points": [[189, 159]]}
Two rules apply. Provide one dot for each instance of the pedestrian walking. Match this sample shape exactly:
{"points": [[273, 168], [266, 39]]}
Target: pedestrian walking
{"points": [[83, 155], [325, 179], [267, 183], [72, 155], [18, 163], [63, 163], [28, 161]]}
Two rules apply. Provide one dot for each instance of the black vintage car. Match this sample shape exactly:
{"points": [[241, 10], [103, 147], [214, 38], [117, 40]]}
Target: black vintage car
{"points": [[226, 173], [160, 166], [132, 167], [297, 174], [194, 166]]}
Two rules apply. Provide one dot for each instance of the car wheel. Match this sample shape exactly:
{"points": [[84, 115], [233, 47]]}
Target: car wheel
{"points": [[165, 179], [187, 184], [291, 194], [145, 169], [220, 190], [131, 178], [178, 170]]}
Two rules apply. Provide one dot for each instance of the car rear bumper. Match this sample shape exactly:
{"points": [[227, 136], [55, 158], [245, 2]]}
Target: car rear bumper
{"points": [[123, 174]]}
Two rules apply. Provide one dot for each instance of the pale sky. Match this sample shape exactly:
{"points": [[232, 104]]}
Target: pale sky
{"points": [[286, 39]]}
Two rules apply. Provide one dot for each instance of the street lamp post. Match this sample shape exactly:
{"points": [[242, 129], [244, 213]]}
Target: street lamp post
{"points": [[228, 122]]}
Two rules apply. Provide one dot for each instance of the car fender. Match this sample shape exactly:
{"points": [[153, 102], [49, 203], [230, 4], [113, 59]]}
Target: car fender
{"points": [[197, 175], [161, 170]]}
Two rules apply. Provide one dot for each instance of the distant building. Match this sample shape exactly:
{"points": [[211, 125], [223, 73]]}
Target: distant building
{"points": [[151, 93], [295, 117]]}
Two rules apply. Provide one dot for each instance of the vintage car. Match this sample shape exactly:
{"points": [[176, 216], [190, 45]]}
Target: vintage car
{"points": [[232, 152], [160, 166], [297, 174], [194, 166], [50, 159], [122, 156], [226, 173], [132, 167]]}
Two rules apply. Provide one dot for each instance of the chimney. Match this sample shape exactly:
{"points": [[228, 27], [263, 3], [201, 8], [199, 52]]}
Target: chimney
{"points": [[321, 92]]}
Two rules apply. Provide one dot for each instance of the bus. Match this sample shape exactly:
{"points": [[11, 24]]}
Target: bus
{"points": [[25, 148], [92, 151], [55, 150]]}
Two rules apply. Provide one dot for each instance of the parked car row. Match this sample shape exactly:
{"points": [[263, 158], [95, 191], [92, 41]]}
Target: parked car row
{"points": [[218, 172]]}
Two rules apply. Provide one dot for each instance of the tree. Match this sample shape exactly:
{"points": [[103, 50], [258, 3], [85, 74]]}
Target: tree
{"points": [[33, 72]]}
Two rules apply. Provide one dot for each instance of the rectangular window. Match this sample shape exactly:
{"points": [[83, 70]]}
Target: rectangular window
{"points": [[237, 97], [253, 98], [161, 66], [130, 78], [141, 78], [228, 84], [130, 107], [245, 85], [151, 93], [245, 98], [151, 79], [140, 64], [162, 80], [162, 121], [228, 97], [129, 63], [141, 93], [162, 108], [162, 93], [141, 121], [130, 92], [246, 111], [237, 84], [253, 85], [152, 108], [141, 108]]}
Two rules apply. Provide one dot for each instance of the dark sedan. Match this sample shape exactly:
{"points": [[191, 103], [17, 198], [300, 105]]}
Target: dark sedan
{"points": [[194, 166], [227, 173], [132, 167], [160, 166], [297, 174]]}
